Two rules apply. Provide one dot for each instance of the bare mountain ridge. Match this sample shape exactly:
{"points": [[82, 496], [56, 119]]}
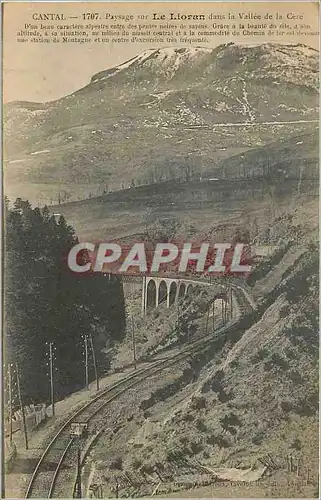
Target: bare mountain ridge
{"points": [[288, 63], [165, 109]]}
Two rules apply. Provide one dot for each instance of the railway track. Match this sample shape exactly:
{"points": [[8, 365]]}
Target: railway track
{"points": [[59, 458]]}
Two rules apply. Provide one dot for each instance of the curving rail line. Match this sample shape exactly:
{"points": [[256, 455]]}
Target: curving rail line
{"points": [[61, 451]]}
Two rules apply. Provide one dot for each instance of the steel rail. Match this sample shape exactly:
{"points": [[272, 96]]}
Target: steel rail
{"points": [[75, 415], [139, 375]]}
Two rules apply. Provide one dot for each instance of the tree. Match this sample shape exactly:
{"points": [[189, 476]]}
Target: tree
{"points": [[45, 302]]}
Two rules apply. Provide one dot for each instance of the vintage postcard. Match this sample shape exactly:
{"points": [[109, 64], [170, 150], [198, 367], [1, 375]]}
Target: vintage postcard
{"points": [[161, 293]]}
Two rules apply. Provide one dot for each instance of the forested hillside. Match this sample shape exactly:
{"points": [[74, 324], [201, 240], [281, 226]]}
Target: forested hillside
{"points": [[45, 302]]}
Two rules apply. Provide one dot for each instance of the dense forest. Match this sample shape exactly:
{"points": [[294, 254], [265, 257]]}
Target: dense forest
{"points": [[45, 302]]}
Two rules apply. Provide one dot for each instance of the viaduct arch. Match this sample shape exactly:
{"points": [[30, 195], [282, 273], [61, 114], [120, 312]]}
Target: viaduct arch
{"points": [[160, 290], [157, 290]]}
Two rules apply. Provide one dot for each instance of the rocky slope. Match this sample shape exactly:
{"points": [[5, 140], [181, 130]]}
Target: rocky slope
{"points": [[243, 408]]}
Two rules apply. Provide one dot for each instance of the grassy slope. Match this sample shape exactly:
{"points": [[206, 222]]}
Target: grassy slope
{"points": [[114, 157], [206, 204], [202, 210]]}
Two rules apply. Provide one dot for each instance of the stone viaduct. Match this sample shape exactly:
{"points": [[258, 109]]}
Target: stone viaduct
{"points": [[157, 290]]}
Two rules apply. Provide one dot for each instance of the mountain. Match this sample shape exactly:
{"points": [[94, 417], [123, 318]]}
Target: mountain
{"points": [[157, 115], [291, 64]]}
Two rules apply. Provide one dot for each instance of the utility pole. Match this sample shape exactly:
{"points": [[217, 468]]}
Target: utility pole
{"points": [[231, 301], [51, 370], [223, 317], [144, 296], [22, 407], [213, 312], [78, 488], [86, 362], [94, 360], [207, 318], [177, 319], [134, 343], [10, 402]]}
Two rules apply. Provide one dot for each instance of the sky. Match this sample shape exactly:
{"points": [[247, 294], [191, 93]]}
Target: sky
{"points": [[43, 72]]}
